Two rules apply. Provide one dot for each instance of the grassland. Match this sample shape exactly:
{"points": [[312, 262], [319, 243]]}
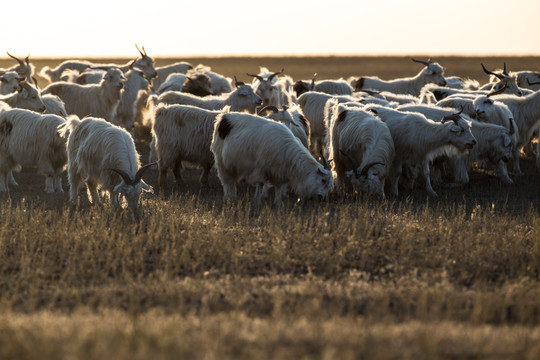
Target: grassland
{"points": [[196, 277]]}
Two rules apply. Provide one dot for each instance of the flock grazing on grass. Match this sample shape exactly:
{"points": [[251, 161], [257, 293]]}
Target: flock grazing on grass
{"points": [[373, 137]]}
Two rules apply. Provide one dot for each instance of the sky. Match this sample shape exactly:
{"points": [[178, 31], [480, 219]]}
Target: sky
{"points": [[167, 28]]}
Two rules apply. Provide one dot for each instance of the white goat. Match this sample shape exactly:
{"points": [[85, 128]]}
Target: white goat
{"points": [[293, 118], [24, 68], [332, 87], [31, 139], [361, 147], [103, 155], [265, 86], [418, 140], [312, 104], [54, 105], [125, 111], [27, 97], [494, 143], [145, 63], [259, 151], [163, 72], [9, 82], [183, 133], [526, 111], [432, 73], [243, 98], [90, 100]]}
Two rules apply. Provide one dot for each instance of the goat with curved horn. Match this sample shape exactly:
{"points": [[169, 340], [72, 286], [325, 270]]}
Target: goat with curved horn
{"points": [[22, 63], [140, 172], [142, 52], [499, 76], [258, 77], [127, 179], [426, 63], [273, 75], [325, 163]]}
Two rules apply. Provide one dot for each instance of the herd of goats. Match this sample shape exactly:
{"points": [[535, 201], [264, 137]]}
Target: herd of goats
{"points": [[275, 134]]}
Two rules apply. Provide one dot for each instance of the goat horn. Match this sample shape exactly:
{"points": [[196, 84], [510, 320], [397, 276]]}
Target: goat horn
{"points": [[124, 175], [313, 81], [504, 69], [140, 172], [353, 163], [274, 74], [140, 52], [422, 62], [499, 76], [17, 59], [260, 78], [326, 164], [35, 81], [497, 92], [269, 107], [366, 168], [512, 126]]}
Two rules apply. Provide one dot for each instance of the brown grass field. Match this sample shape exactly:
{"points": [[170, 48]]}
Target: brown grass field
{"points": [[195, 277]]}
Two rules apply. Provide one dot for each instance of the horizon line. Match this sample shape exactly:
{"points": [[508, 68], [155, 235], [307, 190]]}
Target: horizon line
{"points": [[309, 55]]}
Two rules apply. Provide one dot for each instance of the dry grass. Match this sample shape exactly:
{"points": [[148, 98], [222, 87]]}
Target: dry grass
{"points": [[194, 277]]}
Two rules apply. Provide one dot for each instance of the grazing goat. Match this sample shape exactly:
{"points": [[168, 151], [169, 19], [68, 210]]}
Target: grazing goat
{"points": [[31, 139], [494, 143], [183, 133], [361, 147], [103, 155], [260, 151], [418, 140]]}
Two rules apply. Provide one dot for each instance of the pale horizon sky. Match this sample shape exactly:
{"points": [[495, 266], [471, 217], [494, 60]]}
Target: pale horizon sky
{"points": [[167, 28]]}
